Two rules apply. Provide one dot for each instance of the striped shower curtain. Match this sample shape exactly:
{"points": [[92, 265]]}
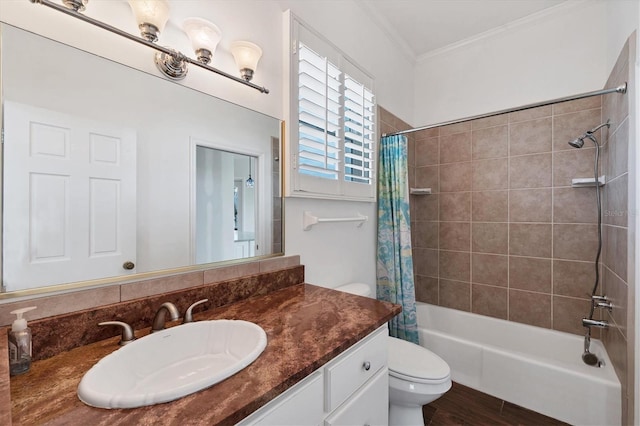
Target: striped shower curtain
{"points": [[394, 269]]}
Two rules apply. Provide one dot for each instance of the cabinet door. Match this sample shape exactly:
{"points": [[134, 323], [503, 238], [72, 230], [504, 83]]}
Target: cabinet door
{"points": [[368, 406], [299, 406]]}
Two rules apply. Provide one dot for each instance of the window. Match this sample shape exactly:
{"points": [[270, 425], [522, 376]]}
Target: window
{"points": [[333, 104]]}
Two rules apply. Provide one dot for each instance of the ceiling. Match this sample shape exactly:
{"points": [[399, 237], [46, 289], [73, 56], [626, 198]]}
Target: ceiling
{"points": [[421, 27]]}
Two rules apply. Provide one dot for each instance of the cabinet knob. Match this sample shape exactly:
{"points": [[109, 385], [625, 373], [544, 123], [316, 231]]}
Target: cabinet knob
{"points": [[128, 265], [366, 365]]}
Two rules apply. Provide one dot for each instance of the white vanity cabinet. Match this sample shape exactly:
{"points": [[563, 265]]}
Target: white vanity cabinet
{"points": [[353, 388]]}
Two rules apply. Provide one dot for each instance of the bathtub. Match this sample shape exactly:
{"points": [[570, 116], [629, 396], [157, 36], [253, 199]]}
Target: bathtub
{"points": [[532, 367]]}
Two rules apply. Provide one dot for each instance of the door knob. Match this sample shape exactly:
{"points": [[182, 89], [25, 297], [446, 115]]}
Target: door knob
{"points": [[128, 265]]}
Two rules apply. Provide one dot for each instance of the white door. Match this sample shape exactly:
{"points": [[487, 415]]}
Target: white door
{"points": [[69, 198]]}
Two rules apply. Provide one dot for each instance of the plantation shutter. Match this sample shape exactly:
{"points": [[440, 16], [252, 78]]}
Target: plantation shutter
{"points": [[335, 147]]}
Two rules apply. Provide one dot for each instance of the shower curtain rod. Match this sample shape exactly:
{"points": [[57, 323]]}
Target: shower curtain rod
{"points": [[620, 89]]}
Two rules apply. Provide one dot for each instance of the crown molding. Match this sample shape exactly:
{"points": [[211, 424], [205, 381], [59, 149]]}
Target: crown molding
{"points": [[528, 20]]}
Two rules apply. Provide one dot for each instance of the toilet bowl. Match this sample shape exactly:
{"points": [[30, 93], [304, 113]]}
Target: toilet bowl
{"points": [[417, 376]]}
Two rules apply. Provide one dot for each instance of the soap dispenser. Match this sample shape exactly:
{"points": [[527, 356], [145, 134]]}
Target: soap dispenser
{"points": [[20, 343]]}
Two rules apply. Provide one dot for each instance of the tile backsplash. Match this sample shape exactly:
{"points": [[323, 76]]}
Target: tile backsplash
{"points": [[68, 320]]}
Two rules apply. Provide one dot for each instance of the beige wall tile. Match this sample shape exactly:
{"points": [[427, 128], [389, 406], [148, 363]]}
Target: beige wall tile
{"points": [[615, 105], [455, 294], [424, 234], [489, 269], [574, 205], [48, 306], [489, 237], [617, 151], [455, 206], [495, 120], [424, 207], [231, 272], [455, 128], [425, 262], [616, 346], [426, 289], [490, 206], [492, 142], [530, 308], [455, 177], [530, 137], [279, 263], [530, 205], [427, 152], [455, 148], [434, 132], [530, 114], [455, 236], [530, 171], [575, 241], [427, 177], [489, 301], [490, 174], [568, 314], [577, 163], [528, 273], [161, 285], [615, 250], [617, 292], [573, 278], [567, 127], [454, 265], [592, 102], [615, 210], [532, 240]]}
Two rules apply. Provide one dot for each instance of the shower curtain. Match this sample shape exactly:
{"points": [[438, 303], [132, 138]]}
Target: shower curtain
{"points": [[394, 269]]}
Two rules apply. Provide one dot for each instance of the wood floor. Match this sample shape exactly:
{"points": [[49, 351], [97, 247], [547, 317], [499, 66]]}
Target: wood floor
{"points": [[468, 407]]}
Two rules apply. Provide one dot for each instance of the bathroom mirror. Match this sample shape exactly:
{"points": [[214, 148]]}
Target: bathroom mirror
{"points": [[111, 173]]}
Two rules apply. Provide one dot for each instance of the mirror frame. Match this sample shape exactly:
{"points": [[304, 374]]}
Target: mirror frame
{"points": [[141, 276]]}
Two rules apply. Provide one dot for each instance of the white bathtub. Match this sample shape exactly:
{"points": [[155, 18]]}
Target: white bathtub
{"points": [[529, 366]]}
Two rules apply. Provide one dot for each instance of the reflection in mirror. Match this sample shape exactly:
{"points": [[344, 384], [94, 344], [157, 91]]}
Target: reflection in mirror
{"points": [[225, 206], [110, 173]]}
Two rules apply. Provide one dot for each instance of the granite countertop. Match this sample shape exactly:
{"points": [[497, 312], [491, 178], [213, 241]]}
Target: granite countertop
{"points": [[306, 327]]}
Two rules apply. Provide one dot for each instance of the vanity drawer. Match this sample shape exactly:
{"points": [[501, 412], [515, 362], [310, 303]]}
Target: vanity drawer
{"points": [[369, 406], [344, 376]]}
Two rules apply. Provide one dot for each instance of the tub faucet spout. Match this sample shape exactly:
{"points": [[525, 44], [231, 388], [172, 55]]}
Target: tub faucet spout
{"points": [[159, 319], [587, 322]]}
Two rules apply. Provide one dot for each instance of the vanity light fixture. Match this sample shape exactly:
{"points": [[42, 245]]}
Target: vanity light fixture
{"points": [[247, 55], [250, 182], [152, 16]]}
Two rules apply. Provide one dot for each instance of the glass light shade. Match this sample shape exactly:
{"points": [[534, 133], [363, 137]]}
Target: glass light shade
{"points": [[204, 35], [247, 56], [151, 12]]}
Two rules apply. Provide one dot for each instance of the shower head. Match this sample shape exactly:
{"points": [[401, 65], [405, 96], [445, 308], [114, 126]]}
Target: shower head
{"points": [[579, 142], [590, 359]]}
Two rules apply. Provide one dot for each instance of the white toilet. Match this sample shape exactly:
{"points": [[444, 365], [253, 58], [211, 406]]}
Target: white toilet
{"points": [[417, 376]]}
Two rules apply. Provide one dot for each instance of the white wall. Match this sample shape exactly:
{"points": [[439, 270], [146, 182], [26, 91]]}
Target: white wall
{"points": [[559, 55]]}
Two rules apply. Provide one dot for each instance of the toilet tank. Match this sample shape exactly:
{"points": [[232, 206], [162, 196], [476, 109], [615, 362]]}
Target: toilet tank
{"points": [[360, 289]]}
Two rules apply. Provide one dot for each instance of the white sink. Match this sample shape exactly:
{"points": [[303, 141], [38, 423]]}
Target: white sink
{"points": [[172, 363]]}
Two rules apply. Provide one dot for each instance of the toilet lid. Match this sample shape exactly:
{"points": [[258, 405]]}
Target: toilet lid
{"points": [[413, 362]]}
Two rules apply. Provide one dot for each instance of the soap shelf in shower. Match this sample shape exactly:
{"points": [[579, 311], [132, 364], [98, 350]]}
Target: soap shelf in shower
{"points": [[420, 191], [308, 220], [587, 182]]}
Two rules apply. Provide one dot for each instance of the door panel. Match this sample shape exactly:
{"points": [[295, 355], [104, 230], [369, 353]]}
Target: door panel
{"points": [[77, 178]]}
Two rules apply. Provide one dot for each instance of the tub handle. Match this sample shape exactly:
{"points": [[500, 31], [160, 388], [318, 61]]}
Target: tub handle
{"points": [[366, 365]]}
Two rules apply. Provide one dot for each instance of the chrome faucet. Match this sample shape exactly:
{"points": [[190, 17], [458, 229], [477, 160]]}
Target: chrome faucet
{"points": [[159, 319], [188, 316], [127, 335]]}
